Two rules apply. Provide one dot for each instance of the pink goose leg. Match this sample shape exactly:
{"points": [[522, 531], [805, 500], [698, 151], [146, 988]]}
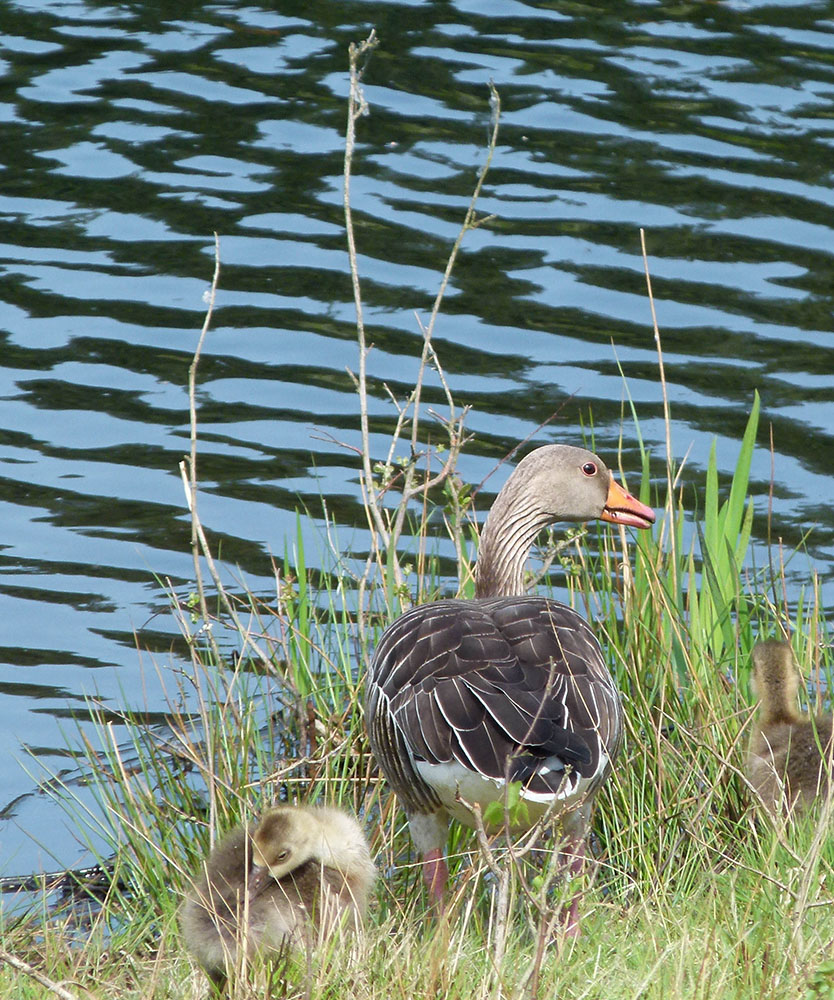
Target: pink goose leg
{"points": [[572, 857], [436, 874]]}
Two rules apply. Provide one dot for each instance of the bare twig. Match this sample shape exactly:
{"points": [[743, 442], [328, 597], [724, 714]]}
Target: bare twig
{"points": [[403, 473], [470, 221], [31, 971], [200, 545], [188, 473], [190, 479], [521, 444], [502, 876], [357, 107]]}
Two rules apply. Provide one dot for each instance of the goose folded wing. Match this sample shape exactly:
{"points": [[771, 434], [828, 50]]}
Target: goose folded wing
{"points": [[493, 682], [482, 727], [436, 640]]}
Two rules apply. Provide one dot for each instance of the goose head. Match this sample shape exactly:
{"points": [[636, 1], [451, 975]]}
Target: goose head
{"points": [[578, 486], [284, 839], [554, 483]]}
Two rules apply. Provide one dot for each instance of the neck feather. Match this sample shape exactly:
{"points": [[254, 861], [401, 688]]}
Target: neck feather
{"points": [[779, 702], [334, 850], [510, 530]]}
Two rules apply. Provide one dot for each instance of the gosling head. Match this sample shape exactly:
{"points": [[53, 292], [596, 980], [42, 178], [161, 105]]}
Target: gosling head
{"points": [[284, 839]]}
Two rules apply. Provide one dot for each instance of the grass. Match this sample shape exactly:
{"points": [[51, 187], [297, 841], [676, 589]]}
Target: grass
{"points": [[691, 894]]}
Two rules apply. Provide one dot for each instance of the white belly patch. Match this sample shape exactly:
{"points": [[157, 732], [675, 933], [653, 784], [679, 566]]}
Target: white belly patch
{"points": [[452, 782]]}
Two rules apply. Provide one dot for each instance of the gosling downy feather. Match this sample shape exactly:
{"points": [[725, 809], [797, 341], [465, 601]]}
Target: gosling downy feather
{"points": [[294, 875], [789, 762]]}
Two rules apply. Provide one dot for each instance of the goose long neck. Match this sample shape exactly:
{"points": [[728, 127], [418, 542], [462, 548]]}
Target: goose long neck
{"points": [[510, 530], [776, 683], [779, 701]]}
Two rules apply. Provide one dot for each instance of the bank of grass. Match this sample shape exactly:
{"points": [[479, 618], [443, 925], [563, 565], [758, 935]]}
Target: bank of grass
{"points": [[691, 895], [731, 936]]}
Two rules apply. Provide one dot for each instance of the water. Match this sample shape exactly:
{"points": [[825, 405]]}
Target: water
{"points": [[128, 136]]}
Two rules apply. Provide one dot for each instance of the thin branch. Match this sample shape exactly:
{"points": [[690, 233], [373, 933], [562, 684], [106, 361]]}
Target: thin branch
{"points": [[522, 443], [386, 526], [190, 481], [32, 972], [502, 876], [454, 424], [469, 220], [188, 474], [357, 107]]}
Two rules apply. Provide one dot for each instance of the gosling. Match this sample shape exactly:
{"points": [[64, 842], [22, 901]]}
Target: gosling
{"points": [[284, 882], [789, 763]]}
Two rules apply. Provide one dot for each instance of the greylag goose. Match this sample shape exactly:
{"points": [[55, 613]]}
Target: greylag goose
{"points": [[270, 885], [789, 763], [464, 695]]}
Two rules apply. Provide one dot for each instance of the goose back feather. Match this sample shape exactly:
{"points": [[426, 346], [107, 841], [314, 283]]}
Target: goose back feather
{"points": [[512, 688]]}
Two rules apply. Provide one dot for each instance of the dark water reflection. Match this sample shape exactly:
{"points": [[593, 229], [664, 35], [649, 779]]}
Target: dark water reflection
{"points": [[129, 133]]}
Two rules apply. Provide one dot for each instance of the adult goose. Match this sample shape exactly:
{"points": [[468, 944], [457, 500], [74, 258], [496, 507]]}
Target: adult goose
{"points": [[298, 872], [789, 763], [466, 695]]}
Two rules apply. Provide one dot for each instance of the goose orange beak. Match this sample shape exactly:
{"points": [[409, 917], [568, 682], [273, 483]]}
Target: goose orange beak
{"points": [[622, 508]]}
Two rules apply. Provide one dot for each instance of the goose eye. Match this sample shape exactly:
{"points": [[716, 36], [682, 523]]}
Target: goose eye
{"points": [[589, 469]]}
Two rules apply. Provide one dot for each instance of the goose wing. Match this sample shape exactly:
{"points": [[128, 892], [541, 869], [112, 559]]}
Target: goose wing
{"points": [[508, 687]]}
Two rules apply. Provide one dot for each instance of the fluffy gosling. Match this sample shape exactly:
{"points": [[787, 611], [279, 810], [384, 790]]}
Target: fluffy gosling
{"points": [[286, 881], [789, 762]]}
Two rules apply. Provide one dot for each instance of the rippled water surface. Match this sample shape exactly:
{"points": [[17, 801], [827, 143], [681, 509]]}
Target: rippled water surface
{"points": [[130, 133]]}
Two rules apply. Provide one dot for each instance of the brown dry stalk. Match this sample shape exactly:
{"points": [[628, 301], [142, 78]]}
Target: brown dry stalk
{"points": [[387, 526], [33, 973]]}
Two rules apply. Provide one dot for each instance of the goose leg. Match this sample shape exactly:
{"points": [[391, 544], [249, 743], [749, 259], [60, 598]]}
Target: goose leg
{"points": [[575, 827], [436, 875], [430, 831], [572, 860]]}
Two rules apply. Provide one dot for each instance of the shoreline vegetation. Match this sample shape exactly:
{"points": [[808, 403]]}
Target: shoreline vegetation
{"points": [[691, 893]]}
